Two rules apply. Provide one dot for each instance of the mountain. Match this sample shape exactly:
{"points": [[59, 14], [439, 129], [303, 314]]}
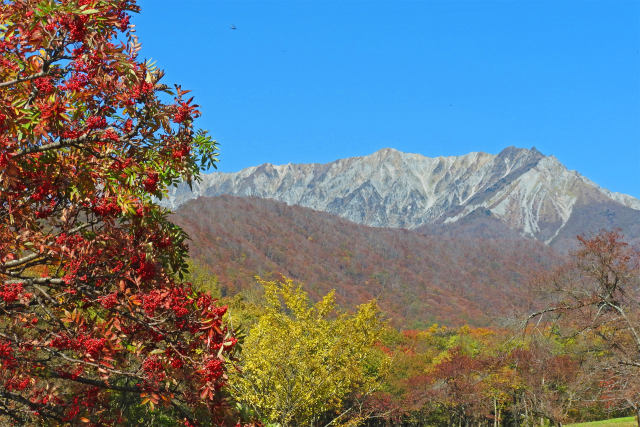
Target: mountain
{"points": [[418, 279], [518, 191]]}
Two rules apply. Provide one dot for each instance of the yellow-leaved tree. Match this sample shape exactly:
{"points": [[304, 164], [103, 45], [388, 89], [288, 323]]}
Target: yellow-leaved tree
{"points": [[307, 364]]}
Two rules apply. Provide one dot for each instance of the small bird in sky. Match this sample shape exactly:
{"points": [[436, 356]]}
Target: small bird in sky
{"points": [[233, 27]]}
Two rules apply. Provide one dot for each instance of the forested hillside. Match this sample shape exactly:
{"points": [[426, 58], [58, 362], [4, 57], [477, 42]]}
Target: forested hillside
{"points": [[417, 279], [261, 312], [518, 191]]}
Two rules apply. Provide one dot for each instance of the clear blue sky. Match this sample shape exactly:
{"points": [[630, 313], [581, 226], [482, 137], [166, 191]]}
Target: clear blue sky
{"points": [[314, 81]]}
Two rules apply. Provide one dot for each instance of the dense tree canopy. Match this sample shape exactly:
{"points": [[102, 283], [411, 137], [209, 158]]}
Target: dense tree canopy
{"points": [[97, 325], [306, 364], [94, 317]]}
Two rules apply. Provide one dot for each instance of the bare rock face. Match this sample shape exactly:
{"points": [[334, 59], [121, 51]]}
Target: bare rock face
{"points": [[527, 192]]}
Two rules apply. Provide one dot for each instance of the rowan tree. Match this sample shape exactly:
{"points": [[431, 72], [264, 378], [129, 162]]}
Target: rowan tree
{"points": [[597, 306], [93, 311]]}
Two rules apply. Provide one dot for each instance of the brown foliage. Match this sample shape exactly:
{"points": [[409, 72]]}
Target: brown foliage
{"points": [[596, 305], [418, 279]]}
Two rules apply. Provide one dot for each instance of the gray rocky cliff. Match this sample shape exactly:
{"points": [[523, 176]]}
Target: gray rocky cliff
{"points": [[532, 194]]}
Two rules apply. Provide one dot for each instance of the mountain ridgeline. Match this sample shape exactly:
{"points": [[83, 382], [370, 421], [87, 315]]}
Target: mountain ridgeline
{"points": [[454, 240], [417, 279], [516, 193]]}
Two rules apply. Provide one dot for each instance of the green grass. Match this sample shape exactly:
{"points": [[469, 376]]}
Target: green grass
{"points": [[614, 422]]}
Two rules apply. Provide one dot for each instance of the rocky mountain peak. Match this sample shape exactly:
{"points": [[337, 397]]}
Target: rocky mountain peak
{"points": [[530, 193], [386, 152]]}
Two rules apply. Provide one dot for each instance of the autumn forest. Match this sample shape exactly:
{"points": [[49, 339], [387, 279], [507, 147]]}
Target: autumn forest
{"points": [[245, 311]]}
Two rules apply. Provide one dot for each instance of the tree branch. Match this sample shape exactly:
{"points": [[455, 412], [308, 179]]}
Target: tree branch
{"points": [[17, 262], [97, 383], [24, 79], [43, 409], [35, 281]]}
